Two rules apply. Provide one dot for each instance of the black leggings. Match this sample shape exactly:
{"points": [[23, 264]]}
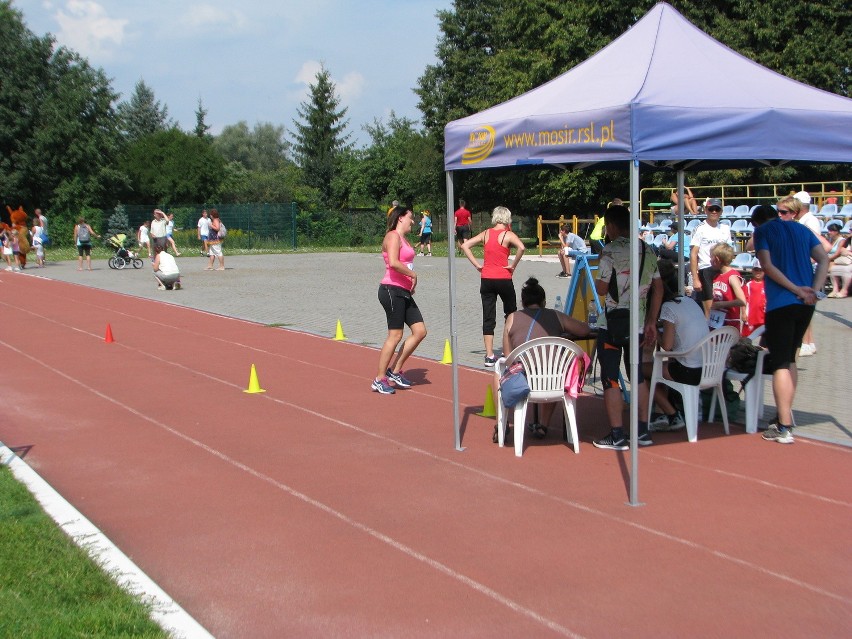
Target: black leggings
{"points": [[489, 290]]}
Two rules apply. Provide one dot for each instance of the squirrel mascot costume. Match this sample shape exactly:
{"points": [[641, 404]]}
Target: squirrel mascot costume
{"points": [[19, 222]]}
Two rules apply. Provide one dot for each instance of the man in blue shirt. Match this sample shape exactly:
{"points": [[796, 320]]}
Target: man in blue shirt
{"points": [[792, 288]]}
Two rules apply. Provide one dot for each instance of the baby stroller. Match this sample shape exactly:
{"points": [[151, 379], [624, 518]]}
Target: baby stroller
{"points": [[123, 256]]}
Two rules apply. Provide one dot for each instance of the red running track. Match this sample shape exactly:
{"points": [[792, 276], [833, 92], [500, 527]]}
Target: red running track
{"points": [[319, 508]]}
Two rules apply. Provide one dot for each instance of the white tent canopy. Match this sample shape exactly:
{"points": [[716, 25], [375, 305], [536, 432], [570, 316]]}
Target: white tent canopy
{"points": [[630, 103]]}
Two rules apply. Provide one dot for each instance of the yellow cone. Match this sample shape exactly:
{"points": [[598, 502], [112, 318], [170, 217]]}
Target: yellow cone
{"points": [[448, 354], [488, 409], [339, 336], [254, 385]]}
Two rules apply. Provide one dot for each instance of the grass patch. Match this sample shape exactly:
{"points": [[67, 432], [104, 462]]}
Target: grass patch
{"points": [[50, 588]]}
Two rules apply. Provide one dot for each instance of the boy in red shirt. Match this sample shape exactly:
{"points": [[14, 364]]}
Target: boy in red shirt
{"points": [[754, 314], [728, 296]]}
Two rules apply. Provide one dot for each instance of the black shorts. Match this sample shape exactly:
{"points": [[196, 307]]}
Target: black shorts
{"points": [[84, 248], [425, 238], [400, 307], [785, 328], [684, 374], [463, 233], [707, 275], [609, 357]]}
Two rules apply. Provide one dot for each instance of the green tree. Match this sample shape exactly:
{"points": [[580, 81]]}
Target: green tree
{"points": [[58, 128], [118, 222], [172, 167], [262, 148], [320, 137], [202, 129], [142, 115]]}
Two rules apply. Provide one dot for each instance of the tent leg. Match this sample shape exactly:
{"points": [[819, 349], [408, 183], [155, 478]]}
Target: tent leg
{"points": [[636, 325], [451, 256]]}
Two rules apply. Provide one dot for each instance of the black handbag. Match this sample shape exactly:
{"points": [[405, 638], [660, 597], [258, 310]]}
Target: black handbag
{"points": [[618, 319]]}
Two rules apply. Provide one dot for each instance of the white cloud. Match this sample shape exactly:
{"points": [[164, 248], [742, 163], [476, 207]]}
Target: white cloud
{"points": [[205, 16], [86, 28], [351, 87]]}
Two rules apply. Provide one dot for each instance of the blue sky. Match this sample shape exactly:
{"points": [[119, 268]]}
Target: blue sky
{"points": [[252, 60]]}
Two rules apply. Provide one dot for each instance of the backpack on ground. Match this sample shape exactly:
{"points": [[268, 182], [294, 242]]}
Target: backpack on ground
{"points": [[83, 234]]}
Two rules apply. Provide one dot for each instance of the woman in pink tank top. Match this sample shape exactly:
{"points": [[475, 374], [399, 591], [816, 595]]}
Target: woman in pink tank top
{"points": [[496, 273], [396, 292]]}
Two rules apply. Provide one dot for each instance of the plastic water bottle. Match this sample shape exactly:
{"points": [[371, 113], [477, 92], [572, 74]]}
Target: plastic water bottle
{"points": [[558, 305], [593, 317]]}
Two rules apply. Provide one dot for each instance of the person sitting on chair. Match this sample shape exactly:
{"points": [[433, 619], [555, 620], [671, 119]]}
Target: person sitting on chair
{"points": [[571, 245], [532, 321]]}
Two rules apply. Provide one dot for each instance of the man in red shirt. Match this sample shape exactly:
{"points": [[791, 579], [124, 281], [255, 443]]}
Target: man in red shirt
{"points": [[462, 216]]}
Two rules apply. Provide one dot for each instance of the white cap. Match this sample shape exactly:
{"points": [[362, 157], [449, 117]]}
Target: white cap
{"points": [[803, 196]]}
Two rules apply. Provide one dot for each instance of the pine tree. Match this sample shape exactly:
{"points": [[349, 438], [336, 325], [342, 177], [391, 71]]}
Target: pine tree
{"points": [[202, 129], [142, 115], [320, 138], [119, 222]]}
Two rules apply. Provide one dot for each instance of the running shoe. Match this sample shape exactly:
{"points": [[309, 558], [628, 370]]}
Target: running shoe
{"points": [[659, 421], [177, 286], [781, 435], [610, 442], [398, 379], [381, 386], [490, 361], [644, 439]]}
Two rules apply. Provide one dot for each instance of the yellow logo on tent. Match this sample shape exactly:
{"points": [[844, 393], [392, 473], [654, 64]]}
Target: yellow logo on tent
{"points": [[480, 145]]}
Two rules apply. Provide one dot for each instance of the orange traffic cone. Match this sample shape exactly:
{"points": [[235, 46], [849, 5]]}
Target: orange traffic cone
{"points": [[108, 338]]}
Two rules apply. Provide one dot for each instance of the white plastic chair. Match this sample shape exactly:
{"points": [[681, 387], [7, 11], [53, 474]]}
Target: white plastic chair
{"points": [[753, 388], [546, 361], [714, 349], [728, 210], [741, 211], [828, 210], [742, 261]]}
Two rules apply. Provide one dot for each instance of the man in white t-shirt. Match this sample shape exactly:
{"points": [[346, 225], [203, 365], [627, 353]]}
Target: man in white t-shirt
{"points": [[707, 235], [204, 231], [158, 230]]}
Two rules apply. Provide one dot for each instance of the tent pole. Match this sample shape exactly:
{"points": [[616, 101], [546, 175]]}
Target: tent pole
{"points": [[451, 256], [680, 235], [636, 324]]}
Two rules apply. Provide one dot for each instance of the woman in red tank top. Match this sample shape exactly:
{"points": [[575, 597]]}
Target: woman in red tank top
{"points": [[496, 273]]}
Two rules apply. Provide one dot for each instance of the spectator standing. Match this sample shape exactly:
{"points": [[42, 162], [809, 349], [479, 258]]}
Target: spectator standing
{"points": [[462, 218], [571, 243], [38, 242], [728, 296], [41, 220], [785, 251], [706, 236], [615, 263], [800, 205], [214, 242], [754, 314], [204, 231], [170, 228], [83, 239], [6, 237], [496, 272], [158, 230], [396, 295], [143, 237]]}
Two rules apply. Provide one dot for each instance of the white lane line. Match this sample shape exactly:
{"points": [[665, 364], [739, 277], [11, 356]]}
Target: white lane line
{"points": [[659, 533], [164, 610], [403, 548]]}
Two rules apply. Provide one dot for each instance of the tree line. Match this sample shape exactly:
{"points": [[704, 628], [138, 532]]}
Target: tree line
{"points": [[68, 144]]}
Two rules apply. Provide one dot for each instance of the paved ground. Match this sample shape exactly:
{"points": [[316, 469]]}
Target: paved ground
{"points": [[311, 292]]}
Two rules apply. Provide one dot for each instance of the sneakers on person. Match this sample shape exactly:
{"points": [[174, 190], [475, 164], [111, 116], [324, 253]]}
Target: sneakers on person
{"points": [[644, 439], [177, 286], [381, 386], [420, 254], [807, 350], [428, 255], [399, 380], [676, 422], [610, 442], [160, 287], [659, 422], [490, 361], [782, 434], [563, 274]]}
